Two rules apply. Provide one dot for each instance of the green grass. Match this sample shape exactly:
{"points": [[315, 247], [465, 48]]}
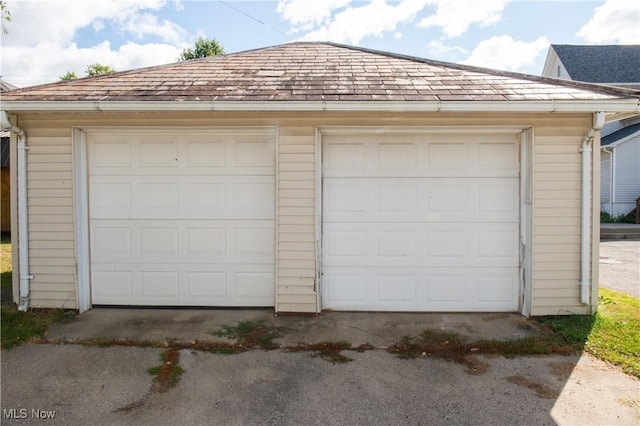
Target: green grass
{"points": [[252, 335], [22, 327], [5, 261], [621, 218], [613, 334]]}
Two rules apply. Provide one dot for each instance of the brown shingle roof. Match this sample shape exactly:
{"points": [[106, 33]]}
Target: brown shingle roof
{"points": [[306, 71]]}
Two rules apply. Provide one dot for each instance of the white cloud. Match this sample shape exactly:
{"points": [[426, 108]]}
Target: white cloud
{"points": [[440, 50], [351, 21], [69, 57], [41, 44], [59, 20], [616, 21], [146, 24], [305, 14], [371, 20], [455, 17], [503, 52]]}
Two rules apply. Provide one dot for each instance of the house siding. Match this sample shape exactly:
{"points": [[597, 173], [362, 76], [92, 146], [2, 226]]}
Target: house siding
{"points": [[52, 258], [296, 220], [628, 172], [605, 181], [556, 195]]}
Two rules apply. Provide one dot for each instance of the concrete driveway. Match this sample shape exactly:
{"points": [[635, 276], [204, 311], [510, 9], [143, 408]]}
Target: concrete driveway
{"points": [[620, 266], [91, 385]]}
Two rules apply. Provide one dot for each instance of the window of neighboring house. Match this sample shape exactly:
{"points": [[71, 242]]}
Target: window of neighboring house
{"points": [[558, 70]]}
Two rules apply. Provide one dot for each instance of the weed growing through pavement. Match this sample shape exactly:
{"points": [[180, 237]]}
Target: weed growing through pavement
{"points": [[252, 335], [168, 373], [330, 351]]}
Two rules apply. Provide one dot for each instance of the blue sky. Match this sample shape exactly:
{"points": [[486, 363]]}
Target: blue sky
{"points": [[47, 38]]}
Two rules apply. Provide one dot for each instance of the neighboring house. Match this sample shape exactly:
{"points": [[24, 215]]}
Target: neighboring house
{"points": [[620, 170], [312, 176], [4, 86], [5, 187], [614, 65]]}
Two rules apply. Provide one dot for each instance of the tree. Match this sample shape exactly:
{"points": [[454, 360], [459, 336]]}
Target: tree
{"points": [[99, 69], [202, 48], [70, 75], [5, 15]]}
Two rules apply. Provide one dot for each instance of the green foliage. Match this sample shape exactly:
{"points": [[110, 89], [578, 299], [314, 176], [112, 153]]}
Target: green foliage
{"points": [[21, 327], [5, 261], [99, 69], [5, 16], [613, 334], [202, 48], [70, 75], [249, 334], [607, 218]]}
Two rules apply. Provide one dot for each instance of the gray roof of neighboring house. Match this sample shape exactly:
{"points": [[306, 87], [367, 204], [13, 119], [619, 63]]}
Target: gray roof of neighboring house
{"points": [[601, 64], [311, 71], [620, 134]]}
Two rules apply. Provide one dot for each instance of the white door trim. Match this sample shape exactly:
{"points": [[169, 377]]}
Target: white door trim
{"points": [[526, 220], [318, 222], [81, 210]]}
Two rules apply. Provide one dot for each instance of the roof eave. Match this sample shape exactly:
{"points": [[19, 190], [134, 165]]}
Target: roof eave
{"points": [[613, 106]]}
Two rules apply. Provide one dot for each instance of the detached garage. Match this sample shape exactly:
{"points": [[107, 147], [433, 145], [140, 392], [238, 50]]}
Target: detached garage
{"points": [[310, 176]]}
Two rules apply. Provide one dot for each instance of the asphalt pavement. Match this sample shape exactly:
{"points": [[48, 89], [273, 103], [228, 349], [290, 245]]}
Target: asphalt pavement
{"points": [[620, 266], [99, 386]]}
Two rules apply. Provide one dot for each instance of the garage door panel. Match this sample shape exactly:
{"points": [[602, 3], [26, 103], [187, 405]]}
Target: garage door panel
{"points": [[159, 285], [416, 289], [402, 155], [185, 285], [182, 219], [420, 200], [426, 244], [111, 285], [182, 241], [157, 154], [190, 197], [205, 154], [420, 222], [189, 154], [499, 157], [420, 155]]}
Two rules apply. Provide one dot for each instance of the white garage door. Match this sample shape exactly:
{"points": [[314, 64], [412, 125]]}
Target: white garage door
{"points": [[420, 222], [181, 219]]}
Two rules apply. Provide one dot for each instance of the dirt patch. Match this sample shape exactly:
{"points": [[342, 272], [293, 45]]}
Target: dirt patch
{"points": [[562, 370], [252, 335], [541, 390], [495, 317], [330, 351], [453, 347]]}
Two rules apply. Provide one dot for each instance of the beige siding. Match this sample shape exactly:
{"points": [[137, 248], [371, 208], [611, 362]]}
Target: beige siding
{"points": [[556, 200], [296, 225], [556, 211], [52, 256]]}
